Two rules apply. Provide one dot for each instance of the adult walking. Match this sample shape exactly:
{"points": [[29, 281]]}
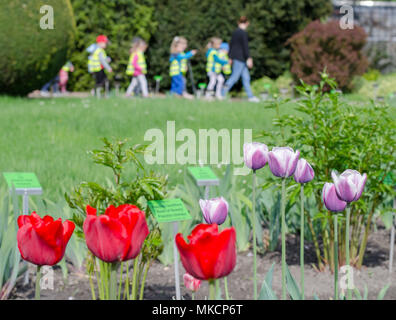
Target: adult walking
{"points": [[241, 60]]}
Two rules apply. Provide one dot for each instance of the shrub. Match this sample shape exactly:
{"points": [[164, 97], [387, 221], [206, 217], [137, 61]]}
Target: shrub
{"points": [[31, 56], [326, 45]]}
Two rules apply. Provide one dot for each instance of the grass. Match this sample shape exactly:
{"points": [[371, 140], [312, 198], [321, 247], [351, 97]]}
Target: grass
{"points": [[51, 137]]}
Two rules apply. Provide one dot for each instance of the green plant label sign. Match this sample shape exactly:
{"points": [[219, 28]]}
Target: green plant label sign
{"points": [[169, 210], [390, 179], [204, 176], [22, 180]]}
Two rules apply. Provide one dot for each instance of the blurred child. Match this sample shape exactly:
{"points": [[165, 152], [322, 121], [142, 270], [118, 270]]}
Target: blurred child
{"points": [[214, 66], [223, 54], [64, 76], [58, 82], [177, 56], [98, 61], [184, 63], [137, 68]]}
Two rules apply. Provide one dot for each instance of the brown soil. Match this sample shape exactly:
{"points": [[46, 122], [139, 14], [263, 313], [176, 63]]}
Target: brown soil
{"points": [[160, 283]]}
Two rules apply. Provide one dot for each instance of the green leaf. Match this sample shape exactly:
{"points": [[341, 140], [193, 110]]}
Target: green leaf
{"points": [[383, 291], [292, 287], [266, 292]]}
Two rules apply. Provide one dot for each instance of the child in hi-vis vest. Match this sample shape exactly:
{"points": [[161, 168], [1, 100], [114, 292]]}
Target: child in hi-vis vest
{"points": [[137, 68], [178, 64], [214, 65], [98, 61]]}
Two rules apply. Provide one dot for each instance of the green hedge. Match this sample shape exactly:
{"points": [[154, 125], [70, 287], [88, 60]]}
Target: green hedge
{"points": [[31, 56]]}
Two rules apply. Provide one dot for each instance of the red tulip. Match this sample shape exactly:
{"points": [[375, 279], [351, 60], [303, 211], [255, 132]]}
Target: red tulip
{"points": [[43, 241], [209, 254], [117, 235]]}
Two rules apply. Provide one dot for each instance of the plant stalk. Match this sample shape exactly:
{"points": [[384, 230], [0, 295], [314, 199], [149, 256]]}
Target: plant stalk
{"points": [[254, 237], [38, 279], [302, 234], [335, 257], [113, 281], [134, 278], [347, 257], [211, 290], [283, 221], [226, 288]]}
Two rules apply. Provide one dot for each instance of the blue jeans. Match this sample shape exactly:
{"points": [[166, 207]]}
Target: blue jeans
{"points": [[52, 83], [177, 84], [239, 69]]}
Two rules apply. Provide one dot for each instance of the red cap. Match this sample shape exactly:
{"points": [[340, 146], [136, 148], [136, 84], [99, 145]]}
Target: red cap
{"points": [[102, 38]]}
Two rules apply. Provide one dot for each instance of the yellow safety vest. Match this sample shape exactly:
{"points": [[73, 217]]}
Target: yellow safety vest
{"points": [[66, 68], [183, 65], [94, 64], [210, 60], [226, 68], [141, 62], [175, 68]]}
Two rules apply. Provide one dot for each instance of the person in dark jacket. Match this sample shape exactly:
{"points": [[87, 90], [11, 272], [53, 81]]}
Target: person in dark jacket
{"points": [[241, 60]]}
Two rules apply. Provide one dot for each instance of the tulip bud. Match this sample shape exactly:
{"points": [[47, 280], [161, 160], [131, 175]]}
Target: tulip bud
{"points": [[214, 210], [255, 155], [283, 161], [330, 198], [191, 283], [349, 185], [304, 172]]}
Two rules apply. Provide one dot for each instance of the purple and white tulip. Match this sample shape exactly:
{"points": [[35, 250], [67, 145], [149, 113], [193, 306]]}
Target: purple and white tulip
{"points": [[349, 185], [304, 172], [330, 198], [255, 155], [214, 210], [283, 161]]}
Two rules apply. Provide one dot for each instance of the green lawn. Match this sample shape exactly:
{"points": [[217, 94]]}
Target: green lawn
{"points": [[51, 136]]}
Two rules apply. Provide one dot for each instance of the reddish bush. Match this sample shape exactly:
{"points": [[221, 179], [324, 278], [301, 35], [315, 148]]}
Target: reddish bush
{"points": [[326, 45]]}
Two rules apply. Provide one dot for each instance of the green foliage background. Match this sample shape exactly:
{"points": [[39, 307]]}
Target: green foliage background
{"points": [[31, 56], [272, 23]]}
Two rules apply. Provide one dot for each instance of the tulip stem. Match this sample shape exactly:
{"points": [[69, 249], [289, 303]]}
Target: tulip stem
{"points": [[302, 242], [120, 285], [218, 291], [38, 279], [254, 236], [283, 222], [144, 281], [193, 295], [211, 290], [226, 288], [134, 278], [348, 215], [113, 280], [335, 257]]}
